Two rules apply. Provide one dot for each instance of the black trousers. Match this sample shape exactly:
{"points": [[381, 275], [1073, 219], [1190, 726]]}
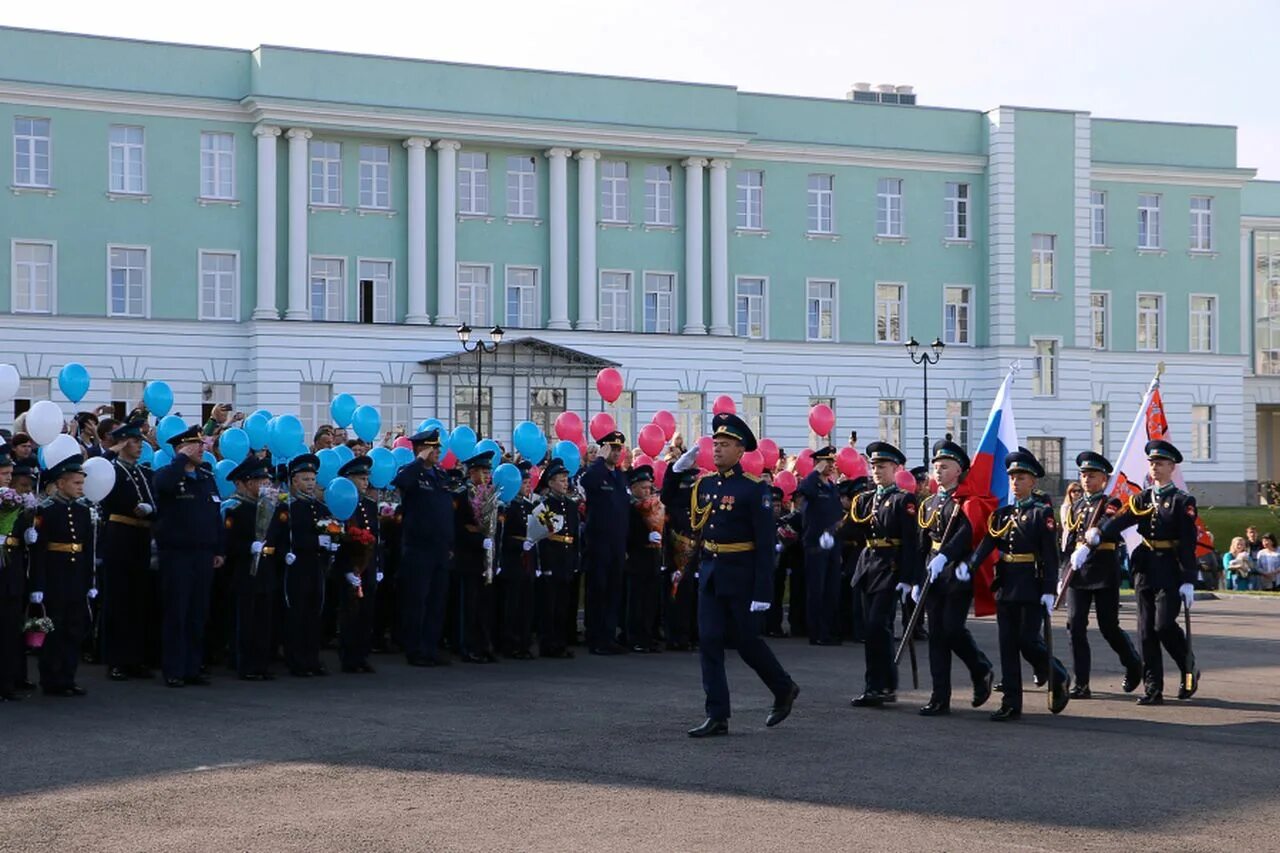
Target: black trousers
{"points": [[185, 581], [948, 611], [518, 609], [642, 608], [474, 608], [127, 603], [60, 655], [798, 621], [422, 581], [717, 617], [304, 591], [1158, 626], [355, 620], [604, 597], [680, 611], [1019, 625], [220, 635], [879, 609], [554, 595], [1106, 603], [255, 608], [822, 583], [12, 664]]}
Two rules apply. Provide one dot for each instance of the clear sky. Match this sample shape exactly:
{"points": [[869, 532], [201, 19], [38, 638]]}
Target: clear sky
{"points": [[1175, 60]]}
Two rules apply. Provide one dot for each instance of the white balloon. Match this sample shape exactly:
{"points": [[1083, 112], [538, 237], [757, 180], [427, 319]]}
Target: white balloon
{"points": [[99, 478], [44, 422], [8, 382], [60, 448]]}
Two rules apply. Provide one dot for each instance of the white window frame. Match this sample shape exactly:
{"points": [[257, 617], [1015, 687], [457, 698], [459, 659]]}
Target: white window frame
{"points": [[615, 193], [967, 305], [13, 275], [343, 268], [691, 412], [470, 318], [330, 167], [314, 412], [1042, 386], [146, 285], [1149, 237], [889, 424], [1043, 259], [834, 308], [1160, 309], [890, 204], [763, 306], [216, 161], [536, 290], [1098, 219], [1098, 427], [1199, 425], [31, 141], [628, 301], [389, 287], [473, 189], [525, 186], [1201, 237], [1211, 325], [961, 425], [378, 173], [125, 148], [958, 221], [753, 412], [234, 254], [887, 304], [659, 195], [750, 201], [672, 303], [396, 414], [820, 207], [1106, 320]]}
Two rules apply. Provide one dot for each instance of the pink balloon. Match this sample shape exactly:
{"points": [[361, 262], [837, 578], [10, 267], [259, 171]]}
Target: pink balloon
{"points": [[667, 422], [847, 460], [804, 463], [642, 459], [769, 450], [659, 473], [786, 481], [402, 441], [753, 462], [905, 480], [535, 474], [568, 426], [651, 439], [706, 461], [601, 425], [609, 384], [724, 406], [449, 461], [821, 419], [859, 468]]}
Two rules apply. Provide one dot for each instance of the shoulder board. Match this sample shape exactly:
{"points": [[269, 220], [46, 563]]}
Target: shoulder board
{"points": [[752, 477], [47, 502], [230, 504]]}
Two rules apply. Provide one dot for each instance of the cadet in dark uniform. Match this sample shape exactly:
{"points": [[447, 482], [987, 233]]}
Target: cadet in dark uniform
{"points": [[680, 562], [821, 513], [515, 568], [1095, 578], [474, 537], [887, 568], [644, 562], [426, 551], [251, 568], [947, 541], [608, 514], [61, 547], [1026, 536], [1164, 567], [852, 539], [789, 576], [557, 558], [733, 513], [360, 569], [13, 590], [189, 537]]}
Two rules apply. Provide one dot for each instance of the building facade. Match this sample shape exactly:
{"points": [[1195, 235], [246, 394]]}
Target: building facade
{"points": [[275, 226]]}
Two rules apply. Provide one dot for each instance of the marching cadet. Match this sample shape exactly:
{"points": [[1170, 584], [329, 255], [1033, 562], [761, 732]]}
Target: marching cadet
{"points": [[679, 559], [557, 511], [608, 513], [887, 568], [426, 551], [1026, 536], [821, 513], [61, 547], [252, 577], [476, 508], [644, 561], [947, 540], [360, 567], [733, 512], [1163, 566], [13, 584], [189, 538], [516, 569], [1096, 580]]}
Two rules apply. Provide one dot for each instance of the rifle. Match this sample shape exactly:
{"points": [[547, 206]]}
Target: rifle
{"points": [[914, 622], [1071, 569]]}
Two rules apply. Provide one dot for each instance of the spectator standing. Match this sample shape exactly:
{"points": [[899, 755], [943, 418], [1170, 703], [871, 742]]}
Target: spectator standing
{"points": [[1238, 566], [1268, 563]]}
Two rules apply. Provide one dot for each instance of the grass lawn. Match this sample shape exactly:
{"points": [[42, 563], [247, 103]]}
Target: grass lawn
{"points": [[1228, 521]]}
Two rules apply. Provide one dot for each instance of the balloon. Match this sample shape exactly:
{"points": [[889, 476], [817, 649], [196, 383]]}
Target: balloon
{"points": [[341, 410], [786, 481], [59, 449], [44, 422], [266, 413], [148, 456], [208, 459], [847, 460], [163, 457], [535, 475], [667, 422], [905, 480], [659, 473], [169, 426], [462, 444], [366, 422], [257, 426], [642, 459], [329, 465], [403, 456], [568, 453], [529, 441], [506, 479], [431, 423], [9, 381], [609, 384], [345, 454], [158, 398], [753, 462], [234, 444], [724, 406], [488, 445], [804, 463], [601, 425], [568, 426], [402, 441], [384, 467], [341, 498], [769, 451], [284, 435], [99, 478], [651, 439], [821, 419], [73, 381], [859, 467], [448, 462], [706, 461], [221, 473]]}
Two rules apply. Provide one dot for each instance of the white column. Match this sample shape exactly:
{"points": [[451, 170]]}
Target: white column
{"points": [[416, 226], [266, 308], [588, 314], [447, 232], [720, 247], [694, 322], [298, 308], [559, 173]]}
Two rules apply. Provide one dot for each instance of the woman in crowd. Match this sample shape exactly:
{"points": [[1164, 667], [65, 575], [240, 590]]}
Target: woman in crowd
{"points": [[1238, 566], [1268, 563]]}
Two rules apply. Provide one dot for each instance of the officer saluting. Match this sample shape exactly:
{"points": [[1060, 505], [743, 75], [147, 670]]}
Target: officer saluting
{"points": [[822, 511], [732, 512], [422, 575], [608, 514]]}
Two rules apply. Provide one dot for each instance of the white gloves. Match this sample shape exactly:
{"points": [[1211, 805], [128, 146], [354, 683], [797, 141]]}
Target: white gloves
{"points": [[1188, 593], [255, 548], [335, 546], [378, 577], [488, 544], [826, 541], [1092, 537], [1047, 601], [353, 579], [146, 509], [93, 592], [31, 535], [936, 565], [915, 593], [962, 572], [676, 576], [758, 606], [904, 590], [685, 462], [1078, 557], [526, 545], [777, 548], [37, 598], [290, 558], [655, 537], [324, 539]]}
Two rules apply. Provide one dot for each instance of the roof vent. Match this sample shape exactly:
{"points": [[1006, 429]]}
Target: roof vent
{"points": [[883, 93]]}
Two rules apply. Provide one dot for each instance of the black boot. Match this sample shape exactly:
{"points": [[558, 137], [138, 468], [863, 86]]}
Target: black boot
{"points": [[710, 728]]}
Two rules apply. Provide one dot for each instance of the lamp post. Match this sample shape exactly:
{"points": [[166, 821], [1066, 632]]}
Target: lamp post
{"points": [[925, 358], [480, 347]]}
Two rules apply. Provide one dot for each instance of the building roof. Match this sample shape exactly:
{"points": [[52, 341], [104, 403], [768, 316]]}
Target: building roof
{"points": [[520, 357]]}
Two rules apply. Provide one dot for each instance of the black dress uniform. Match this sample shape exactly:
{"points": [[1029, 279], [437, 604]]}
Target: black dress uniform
{"points": [[1161, 565], [426, 553], [516, 570], [359, 604], [608, 508], [852, 539], [822, 511], [303, 556], [1096, 583], [13, 597], [474, 591], [189, 536], [1027, 537], [789, 577], [889, 561], [557, 564], [643, 572], [252, 575], [680, 555]]}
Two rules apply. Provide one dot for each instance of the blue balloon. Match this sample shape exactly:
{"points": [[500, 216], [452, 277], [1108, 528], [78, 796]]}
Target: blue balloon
{"points": [[488, 445], [73, 381], [462, 443], [209, 459], [162, 458], [266, 413], [341, 497], [431, 423], [40, 459], [366, 422], [168, 427], [148, 456], [530, 442], [341, 409], [345, 454], [285, 435], [384, 467], [158, 398], [221, 471], [329, 466], [257, 426], [234, 444], [568, 453], [403, 456], [506, 479]]}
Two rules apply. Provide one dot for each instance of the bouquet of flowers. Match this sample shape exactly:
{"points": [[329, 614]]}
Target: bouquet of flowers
{"points": [[11, 500], [328, 527], [360, 543], [387, 510], [268, 500], [35, 630]]}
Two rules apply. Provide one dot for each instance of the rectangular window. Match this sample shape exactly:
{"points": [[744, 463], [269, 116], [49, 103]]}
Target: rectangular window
{"points": [[313, 407], [1201, 223], [326, 172], [127, 159], [375, 177], [657, 195], [376, 288], [327, 278], [821, 195], [889, 307], [623, 411], [474, 286], [547, 404], [33, 278], [1045, 381], [1148, 221], [217, 165], [891, 422], [820, 310], [32, 152], [1099, 324], [396, 408], [749, 308], [522, 297], [212, 394], [1042, 250], [750, 201], [815, 440], [219, 274], [1201, 433], [126, 395], [615, 204], [1049, 452], [1203, 338], [30, 391], [127, 275], [522, 187], [615, 301], [689, 408], [1098, 422], [465, 410], [1150, 321], [1097, 218], [889, 207], [958, 417], [1265, 263], [753, 412], [473, 184], [957, 217], [659, 293], [957, 307]]}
